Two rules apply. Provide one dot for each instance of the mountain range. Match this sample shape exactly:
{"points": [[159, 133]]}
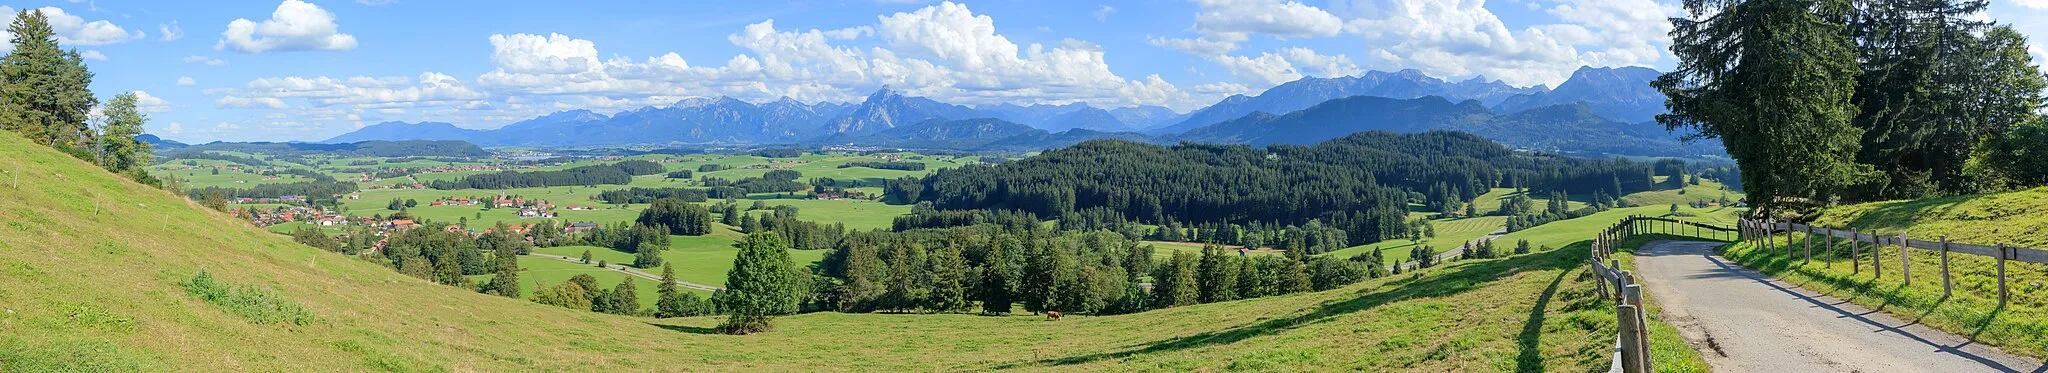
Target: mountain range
{"points": [[1597, 110]]}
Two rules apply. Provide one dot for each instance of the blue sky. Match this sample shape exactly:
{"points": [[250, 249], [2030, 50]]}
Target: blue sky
{"points": [[281, 70]]}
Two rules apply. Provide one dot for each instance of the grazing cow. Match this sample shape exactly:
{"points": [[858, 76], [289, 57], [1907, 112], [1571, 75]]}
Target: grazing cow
{"points": [[1052, 315]]}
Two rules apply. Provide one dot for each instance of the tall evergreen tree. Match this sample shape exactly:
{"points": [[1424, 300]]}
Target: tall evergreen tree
{"points": [[1174, 282], [947, 275], [670, 303], [120, 122], [998, 279], [1218, 281], [1774, 80], [762, 283], [48, 92]]}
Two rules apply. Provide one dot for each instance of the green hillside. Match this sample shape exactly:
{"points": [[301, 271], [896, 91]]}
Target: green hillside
{"points": [[101, 292]]}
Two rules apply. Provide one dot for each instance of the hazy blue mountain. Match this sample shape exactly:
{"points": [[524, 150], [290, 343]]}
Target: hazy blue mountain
{"points": [[886, 109], [1089, 118], [392, 131], [1034, 115], [1310, 91], [1618, 93], [1339, 117], [159, 143], [1573, 128], [1144, 117], [939, 133]]}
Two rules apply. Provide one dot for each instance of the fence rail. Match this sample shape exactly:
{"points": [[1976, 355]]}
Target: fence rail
{"points": [[1632, 341], [1768, 231]]}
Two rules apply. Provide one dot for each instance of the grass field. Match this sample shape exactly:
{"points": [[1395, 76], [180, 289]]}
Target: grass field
{"points": [[697, 259], [1708, 190], [1973, 309], [101, 293]]}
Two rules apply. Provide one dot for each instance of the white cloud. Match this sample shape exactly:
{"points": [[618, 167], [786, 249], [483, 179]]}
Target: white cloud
{"points": [[232, 101], [375, 3], [1226, 88], [92, 55], [1462, 38], [1271, 17], [150, 104], [209, 61], [175, 128], [1312, 63], [74, 30], [430, 88], [1102, 14], [1265, 71], [170, 31], [186, 81], [2031, 4], [552, 54], [294, 26]]}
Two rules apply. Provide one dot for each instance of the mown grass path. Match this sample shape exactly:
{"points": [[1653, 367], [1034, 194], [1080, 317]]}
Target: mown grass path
{"points": [[1745, 321]]}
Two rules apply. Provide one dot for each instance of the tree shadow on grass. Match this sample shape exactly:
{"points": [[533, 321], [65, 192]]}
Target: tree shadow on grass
{"points": [[1456, 278], [1529, 342], [687, 329]]}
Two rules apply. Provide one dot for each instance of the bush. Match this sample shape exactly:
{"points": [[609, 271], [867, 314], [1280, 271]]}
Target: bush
{"points": [[258, 305]]}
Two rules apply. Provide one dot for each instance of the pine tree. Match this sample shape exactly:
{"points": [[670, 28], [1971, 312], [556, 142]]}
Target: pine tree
{"points": [[866, 279], [998, 279], [1174, 282], [506, 282], [906, 289], [1295, 278], [1040, 266], [762, 283], [623, 299], [731, 216], [670, 303], [947, 271], [47, 97], [1218, 281]]}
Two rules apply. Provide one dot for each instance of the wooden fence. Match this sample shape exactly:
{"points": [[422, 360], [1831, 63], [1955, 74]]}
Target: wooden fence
{"points": [[1632, 342], [1767, 231]]}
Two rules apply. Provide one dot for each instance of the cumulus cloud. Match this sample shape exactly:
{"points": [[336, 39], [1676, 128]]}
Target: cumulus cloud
{"points": [[429, 88], [1271, 17], [232, 101], [1312, 63], [186, 81], [170, 31], [209, 61], [943, 51], [92, 55], [294, 26], [174, 128], [1463, 38], [1102, 14], [74, 30], [149, 103]]}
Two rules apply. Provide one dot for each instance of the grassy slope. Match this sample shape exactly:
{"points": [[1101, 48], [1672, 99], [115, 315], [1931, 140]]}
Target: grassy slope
{"points": [[99, 293], [2016, 218]]}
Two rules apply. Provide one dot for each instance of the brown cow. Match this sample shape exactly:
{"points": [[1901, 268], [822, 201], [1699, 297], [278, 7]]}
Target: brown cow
{"points": [[1052, 315]]}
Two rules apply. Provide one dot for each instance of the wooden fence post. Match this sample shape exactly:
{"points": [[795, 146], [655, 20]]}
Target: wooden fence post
{"points": [[1830, 250], [1807, 242], [1631, 354], [1945, 286], [1905, 260], [1876, 255], [1855, 252], [1634, 296], [2003, 253]]}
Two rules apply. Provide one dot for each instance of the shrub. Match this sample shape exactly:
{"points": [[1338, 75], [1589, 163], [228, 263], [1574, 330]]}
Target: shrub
{"points": [[258, 305]]}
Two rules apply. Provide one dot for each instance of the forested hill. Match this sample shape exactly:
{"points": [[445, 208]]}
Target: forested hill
{"points": [[1361, 183]]}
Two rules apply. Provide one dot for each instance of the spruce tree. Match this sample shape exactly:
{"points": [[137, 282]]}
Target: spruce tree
{"points": [[506, 282], [670, 303], [762, 283], [1295, 279], [998, 279], [947, 276], [48, 89], [1175, 283]]}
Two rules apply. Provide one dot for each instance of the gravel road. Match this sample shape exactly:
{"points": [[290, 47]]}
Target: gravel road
{"points": [[1744, 321]]}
